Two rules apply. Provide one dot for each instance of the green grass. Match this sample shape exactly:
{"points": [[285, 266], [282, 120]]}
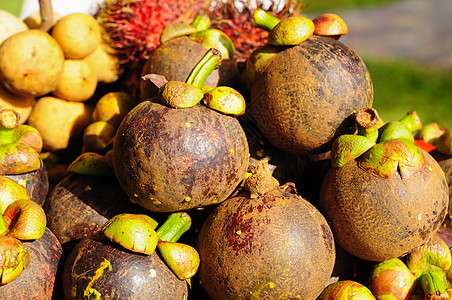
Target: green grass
{"points": [[333, 5], [401, 86], [13, 6]]}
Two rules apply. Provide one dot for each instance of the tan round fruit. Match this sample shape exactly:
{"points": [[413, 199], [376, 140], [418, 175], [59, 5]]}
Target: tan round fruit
{"points": [[78, 34], [31, 63], [78, 81], [21, 104], [105, 63], [33, 21], [60, 122], [10, 24]]}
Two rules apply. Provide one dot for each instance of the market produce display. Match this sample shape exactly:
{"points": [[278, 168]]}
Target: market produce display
{"points": [[210, 150]]}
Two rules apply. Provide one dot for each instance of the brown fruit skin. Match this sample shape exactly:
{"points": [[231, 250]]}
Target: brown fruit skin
{"points": [[132, 276], [169, 159], [36, 183], [377, 219], [277, 246], [41, 280], [306, 94], [176, 58], [79, 206]]}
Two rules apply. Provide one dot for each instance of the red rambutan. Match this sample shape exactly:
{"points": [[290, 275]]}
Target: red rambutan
{"points": [[133, 27]]}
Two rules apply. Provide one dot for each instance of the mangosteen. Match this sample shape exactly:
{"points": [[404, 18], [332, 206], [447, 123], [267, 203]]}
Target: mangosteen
{"points": [[382, 195], [179, 52], [182, 154], [303, 93], [20, 146], [266, 243]]}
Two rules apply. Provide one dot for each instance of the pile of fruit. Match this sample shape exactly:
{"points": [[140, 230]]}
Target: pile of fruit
{"points": [[204, 150]]}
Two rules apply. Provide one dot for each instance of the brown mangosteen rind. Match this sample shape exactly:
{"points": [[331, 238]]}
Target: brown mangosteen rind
{"points": [[80, 205], [41, 279], [124, 274], [274, 246], [304, 98], [377, 218], [170, 159], [35, 182], [176, 58]]}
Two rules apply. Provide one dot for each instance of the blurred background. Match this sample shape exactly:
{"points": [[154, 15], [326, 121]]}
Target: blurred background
{"points": [[406, 45]]}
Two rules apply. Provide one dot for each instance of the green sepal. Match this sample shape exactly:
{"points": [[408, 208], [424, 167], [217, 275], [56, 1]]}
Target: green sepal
{"points": [[133, 232], [395, 130], [348, 147], [387, 158]]}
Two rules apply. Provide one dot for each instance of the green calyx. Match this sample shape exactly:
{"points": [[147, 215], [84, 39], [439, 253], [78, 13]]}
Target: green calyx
{"points": [[287, 32], [92, 164], [133, 232], [214, 38], [19, 145], [182, 259], [259, 60], [412, 121], [187, 94], [382, 152], [434, 255], [15, 259], [226, 100], [434, 285], [174, 30]]}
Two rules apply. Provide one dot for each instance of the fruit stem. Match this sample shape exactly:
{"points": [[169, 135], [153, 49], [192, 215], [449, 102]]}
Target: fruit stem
{"points": [[201, 22], [9, 120], [208, 63], [366, 120], [45, 9], [172, 229], [264, 20]]}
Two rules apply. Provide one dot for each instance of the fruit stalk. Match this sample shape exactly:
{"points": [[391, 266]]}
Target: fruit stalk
{"points": [[173, 228], [46, 15], [208, 63]]}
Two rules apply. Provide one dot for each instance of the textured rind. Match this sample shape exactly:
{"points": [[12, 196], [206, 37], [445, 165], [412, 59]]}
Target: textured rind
{"points": [[80, 205], [305, 96], [170, 159], [377, 219], [176, 58], [123, 274], [41, 279], [277, 246]]}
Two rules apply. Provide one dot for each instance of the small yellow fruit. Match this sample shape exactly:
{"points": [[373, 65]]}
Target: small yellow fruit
{"points": [[31, 63], [60, 122], [78, 34], [78, 81], [21, 104], [9, 25], [105, 63]]}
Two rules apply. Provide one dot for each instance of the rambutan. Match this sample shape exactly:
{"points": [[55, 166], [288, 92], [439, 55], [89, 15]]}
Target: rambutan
{"points": [[235, 18], [133, 27]]}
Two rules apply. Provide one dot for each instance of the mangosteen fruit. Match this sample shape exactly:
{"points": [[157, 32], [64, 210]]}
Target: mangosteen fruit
{"points": [[20, 146], [79, 205], [182, 154], [267, 243], [382, 195], [176, 56], [41, 279], [302, 95]]}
